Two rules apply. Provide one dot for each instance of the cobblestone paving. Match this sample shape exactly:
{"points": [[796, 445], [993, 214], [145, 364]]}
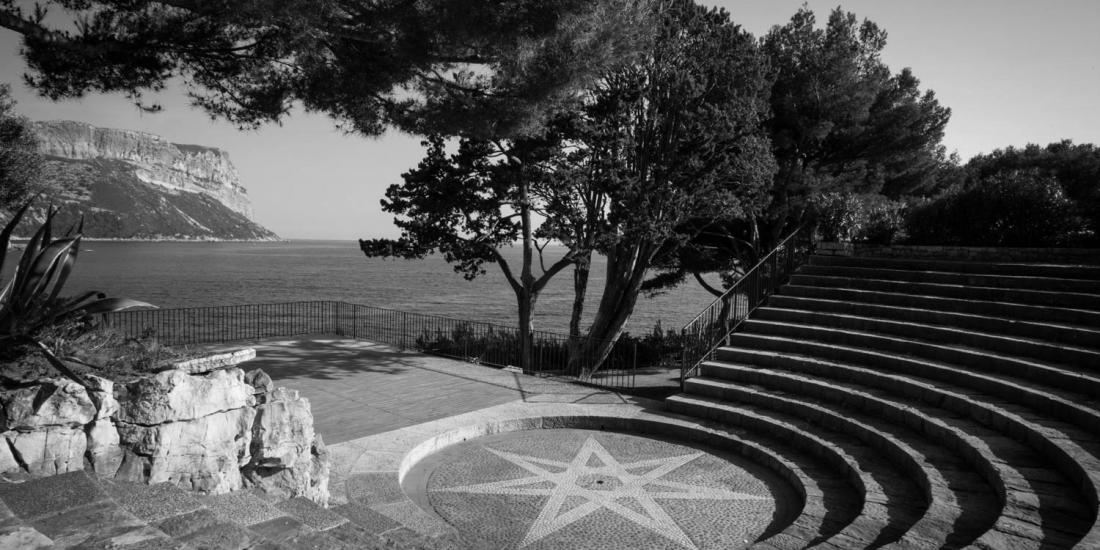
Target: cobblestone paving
{"points": [[587, 489]]}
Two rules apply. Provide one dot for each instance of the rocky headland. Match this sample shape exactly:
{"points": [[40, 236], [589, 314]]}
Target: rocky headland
{"points": [[135, 185]]}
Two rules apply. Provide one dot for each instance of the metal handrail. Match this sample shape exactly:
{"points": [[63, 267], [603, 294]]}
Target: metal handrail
{"points": [[472, 341], [709, 330]]}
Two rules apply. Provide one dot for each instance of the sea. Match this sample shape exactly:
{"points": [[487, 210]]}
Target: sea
{"points": [[191, 274]]}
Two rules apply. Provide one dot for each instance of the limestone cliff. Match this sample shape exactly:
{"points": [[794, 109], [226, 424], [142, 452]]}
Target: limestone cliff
{"points": [[135, 185]]}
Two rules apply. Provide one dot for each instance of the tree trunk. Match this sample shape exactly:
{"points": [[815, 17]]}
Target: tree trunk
{"points": [[526, 302], [526, 293], [581, 272], [626, 268]]}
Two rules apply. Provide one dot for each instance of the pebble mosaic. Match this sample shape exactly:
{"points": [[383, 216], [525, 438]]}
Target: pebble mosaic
{"points": [[572, 488]]}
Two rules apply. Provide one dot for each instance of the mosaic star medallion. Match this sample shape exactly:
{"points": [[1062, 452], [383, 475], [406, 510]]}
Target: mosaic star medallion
{"points": [[601, 481], [576, 488]]}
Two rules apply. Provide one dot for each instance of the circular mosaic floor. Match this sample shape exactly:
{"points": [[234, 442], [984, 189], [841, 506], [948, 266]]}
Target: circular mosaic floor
{"points": [[566, 488]]}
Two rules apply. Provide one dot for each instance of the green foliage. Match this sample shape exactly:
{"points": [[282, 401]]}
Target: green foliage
{"points": [[87, 348], [551, 352], [870, 218], [31, 302], [20, 162], [1076, 168], [841, 121], [444, 65], [672, 144], [1025, 209]]}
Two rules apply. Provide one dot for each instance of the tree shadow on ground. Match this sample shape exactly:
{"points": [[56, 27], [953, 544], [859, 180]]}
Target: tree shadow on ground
{"points": [[327, 359]]}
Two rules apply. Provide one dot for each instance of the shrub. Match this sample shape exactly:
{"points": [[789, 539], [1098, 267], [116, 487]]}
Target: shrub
{"points": [[870, 218], [30, 302], [1022, 208]]}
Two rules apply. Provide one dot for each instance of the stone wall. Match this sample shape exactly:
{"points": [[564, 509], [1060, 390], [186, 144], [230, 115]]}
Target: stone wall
{"points": [[209, 432], [1089, 256]]}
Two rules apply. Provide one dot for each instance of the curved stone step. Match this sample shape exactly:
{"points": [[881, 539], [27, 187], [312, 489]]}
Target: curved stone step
{"points": [[1071, 408], [1023, 282], [1028, 312], [1081, 378], [1073, 300], [829, 501], [1043, 350], [1076, 462], [852, 510], [1070, 335], [1069, 271], [930, 525]]}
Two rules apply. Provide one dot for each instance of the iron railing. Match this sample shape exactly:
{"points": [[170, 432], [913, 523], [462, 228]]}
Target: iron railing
{"points": [[471, 341], [712, 327]]}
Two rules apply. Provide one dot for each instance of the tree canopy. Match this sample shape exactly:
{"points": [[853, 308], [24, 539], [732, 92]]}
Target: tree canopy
{"points": [[841, 121], [20, 162], [448, 65], [674, 138], [672, 135], [1076, 168]]}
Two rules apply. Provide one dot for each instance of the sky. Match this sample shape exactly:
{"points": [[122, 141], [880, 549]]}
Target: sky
{"points": [[1012, 71]]}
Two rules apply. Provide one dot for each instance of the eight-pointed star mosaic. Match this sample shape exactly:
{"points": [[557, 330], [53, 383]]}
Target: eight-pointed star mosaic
{"points": [[599, 481]]}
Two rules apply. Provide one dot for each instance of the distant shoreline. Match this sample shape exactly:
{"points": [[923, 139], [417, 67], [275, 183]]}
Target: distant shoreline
{"points": [[23, 240]]}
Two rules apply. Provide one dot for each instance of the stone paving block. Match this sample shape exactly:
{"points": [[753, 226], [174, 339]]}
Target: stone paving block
{"points": [[373, 488], [185, 524], [22, 537], [281, 529], [311, 514], [243, 508], [356, 536], [50, 494], [409, 515], [94, 525], [363, 516], [223, 535], [407, 538], [152, 503]]}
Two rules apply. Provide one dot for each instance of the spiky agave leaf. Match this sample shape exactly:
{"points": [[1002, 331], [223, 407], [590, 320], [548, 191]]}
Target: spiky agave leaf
{"points": [[59, 364], [77, 233], [30, 252], [34, 282], [5, 234]]}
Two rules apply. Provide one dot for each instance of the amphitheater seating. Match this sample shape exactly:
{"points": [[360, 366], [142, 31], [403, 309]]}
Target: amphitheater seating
{"points": [[958, 402]]}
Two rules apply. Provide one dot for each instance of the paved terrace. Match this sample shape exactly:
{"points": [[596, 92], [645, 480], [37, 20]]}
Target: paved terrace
{"points": [[434, 453], [359, 388]]}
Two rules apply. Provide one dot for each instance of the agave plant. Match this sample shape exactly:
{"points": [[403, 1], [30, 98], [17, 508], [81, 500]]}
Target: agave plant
{"points": [[31, 301]]}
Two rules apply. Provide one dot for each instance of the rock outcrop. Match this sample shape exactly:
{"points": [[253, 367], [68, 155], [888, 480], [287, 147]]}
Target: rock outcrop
{"points": [[135, 185], [288, 458], [44, 427], [193, 431], [209, 432]]}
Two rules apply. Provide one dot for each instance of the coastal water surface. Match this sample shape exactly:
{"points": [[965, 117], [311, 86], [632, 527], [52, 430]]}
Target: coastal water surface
{"points": [[187, 274]]}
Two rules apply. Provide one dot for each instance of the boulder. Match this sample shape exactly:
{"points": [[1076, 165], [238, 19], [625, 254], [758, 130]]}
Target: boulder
{"points": [[283, 430], [260, 382], [203, 454], [174, 395], [103, 454], [51, 403], [48, 451], [102, 393], [288, 460], [8, 462], [211, 363], [320, 469]]}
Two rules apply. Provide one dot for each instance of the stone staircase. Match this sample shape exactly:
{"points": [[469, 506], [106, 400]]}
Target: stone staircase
{"points": [[935, 404], [77, 510]]}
